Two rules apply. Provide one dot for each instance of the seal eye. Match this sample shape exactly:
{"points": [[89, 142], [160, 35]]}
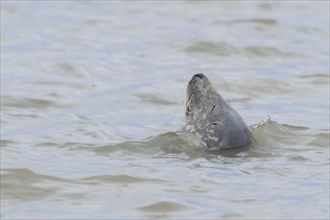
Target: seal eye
{"points": [[188, 111], [215, 123], [212, 109]]}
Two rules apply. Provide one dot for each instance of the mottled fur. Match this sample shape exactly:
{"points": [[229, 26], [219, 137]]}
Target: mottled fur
{"points": [[210, 118]]}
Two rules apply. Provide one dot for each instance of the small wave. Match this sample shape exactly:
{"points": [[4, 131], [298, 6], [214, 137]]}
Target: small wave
{"points": [[166, 142], [261, 21], [163, 206], [269, 133], [225, 49], [132, 147], [316, 75], [317, 78], [5, 143], [295, 143], [268, 138], [67, 69], [66, 145], [25, 102], [150, 98], [60, 84], [122, 178], [219, 49], [24, 184], [28, 175], [265, 52], [320, 139]]}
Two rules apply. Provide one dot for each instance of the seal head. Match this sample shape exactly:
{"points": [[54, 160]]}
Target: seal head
{"points": [[210, 118]]}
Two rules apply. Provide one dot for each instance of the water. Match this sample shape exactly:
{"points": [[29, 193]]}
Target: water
{"points": [[92, 96]]}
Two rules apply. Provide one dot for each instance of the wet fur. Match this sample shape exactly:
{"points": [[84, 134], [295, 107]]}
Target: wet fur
{"points": [[210, 118]]}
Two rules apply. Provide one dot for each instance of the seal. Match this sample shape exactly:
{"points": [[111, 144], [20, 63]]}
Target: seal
{"points": [[210, 118]]}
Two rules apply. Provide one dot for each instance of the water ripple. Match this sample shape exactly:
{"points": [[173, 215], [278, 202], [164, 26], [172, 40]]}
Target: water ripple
{"points": [[226, 49]]}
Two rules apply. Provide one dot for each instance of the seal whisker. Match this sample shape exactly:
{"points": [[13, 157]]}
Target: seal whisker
{"points": [[179, 113]]}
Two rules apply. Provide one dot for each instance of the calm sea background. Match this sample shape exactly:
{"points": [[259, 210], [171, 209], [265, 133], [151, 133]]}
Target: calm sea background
{"points": [[92, 95]]}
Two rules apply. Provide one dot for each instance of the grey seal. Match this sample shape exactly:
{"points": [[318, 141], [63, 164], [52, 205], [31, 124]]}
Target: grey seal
{"points": [[210, 118]]}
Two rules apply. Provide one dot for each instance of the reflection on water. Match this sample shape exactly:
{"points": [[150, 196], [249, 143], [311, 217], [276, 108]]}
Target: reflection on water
{"points": [[92, 102]]}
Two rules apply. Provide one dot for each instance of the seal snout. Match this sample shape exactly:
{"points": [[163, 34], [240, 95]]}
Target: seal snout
{"points": [[199, 75]]}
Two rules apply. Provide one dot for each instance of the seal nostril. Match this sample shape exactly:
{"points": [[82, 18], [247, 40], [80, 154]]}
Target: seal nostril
{"points": [[199, 75]]}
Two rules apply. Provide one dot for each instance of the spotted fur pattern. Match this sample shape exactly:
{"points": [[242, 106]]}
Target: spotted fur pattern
{"points": [[210, 118]]}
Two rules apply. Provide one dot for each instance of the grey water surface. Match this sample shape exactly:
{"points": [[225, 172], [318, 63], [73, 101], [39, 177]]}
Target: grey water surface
{"points": [[92, 102]]}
